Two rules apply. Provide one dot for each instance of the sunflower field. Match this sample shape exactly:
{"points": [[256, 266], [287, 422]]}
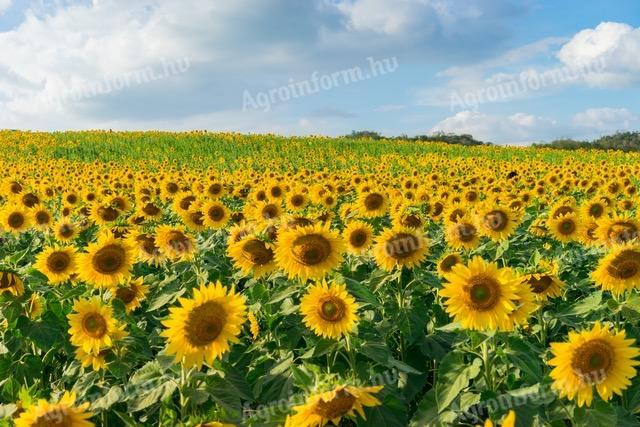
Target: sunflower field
{"points": [[208, 279]]}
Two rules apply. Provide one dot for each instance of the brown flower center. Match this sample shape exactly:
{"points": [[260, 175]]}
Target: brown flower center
{"points": [[625, 265], [562, 210], [496, 220], [540, 284], [151, 209], [358, 238], [311, 249], [332, 309], [402, 245], [622, 232], [179, 242], [483, 292], [57, 417], [340, 405], [66, 230], [448, 262], [94, 325], [465, 232], [270, 211], [42, 218], [15, 220], [373, 201], [596, 210], [215, 213], [109, 259], [205, 323], [297, 200], [567, 227], [58, 262], [256, 252], [126, 294], [107, 213], [592, 360]]}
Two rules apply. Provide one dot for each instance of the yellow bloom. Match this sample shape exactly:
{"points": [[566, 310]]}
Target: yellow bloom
{"points": [[329, 310]]}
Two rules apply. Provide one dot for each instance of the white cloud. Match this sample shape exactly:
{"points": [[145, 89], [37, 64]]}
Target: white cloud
{"points": [[4, 5], [516, 129], [615, 45], [606, 119]]}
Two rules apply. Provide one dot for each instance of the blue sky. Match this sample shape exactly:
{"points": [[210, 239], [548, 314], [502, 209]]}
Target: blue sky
{"points": [[511, 72]]}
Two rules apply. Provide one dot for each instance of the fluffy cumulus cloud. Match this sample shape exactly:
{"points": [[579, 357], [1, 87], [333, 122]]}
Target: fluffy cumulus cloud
{"points": [[611, 51], [94, 63], [517, 129], [607, 119], [4, 5]]}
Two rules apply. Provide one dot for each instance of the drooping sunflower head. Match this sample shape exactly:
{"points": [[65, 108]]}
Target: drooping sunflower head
{"points": [[203, 327], [252, 256], [359, 236], [62, 414], [57, 263], [398, 247], [107, 262], [481, 295], [309, 252], [132, 293], [619, 270], [175, 243], [328, 310], [599, 357], [544, 281], [447, 262], [10, 282], [618, 230], [331, 406]]}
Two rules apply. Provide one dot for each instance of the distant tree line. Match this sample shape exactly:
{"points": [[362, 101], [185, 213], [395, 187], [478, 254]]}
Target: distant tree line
{"points": [[448, 138], [622, 141]]}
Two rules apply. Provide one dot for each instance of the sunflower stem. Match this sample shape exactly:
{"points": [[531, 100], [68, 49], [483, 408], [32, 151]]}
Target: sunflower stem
{"points": [[543, 327], [488, 368]]}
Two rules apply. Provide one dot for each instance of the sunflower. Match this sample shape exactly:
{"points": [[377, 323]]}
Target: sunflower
{"points": [[594, 209], [525, 305], [42, 218], [64, 413], [254, 325], [329, 310], [496, 221], [96, 361], [107, 262], [35, 306], [12, 283], [588, 232], [146, 247], [400, 247], [564, 228], [92, 326], [252, 255], [57, 263], [508, 421], [462, 234], [447, 261], [330, 406], [15, 219], [175, 243], [132, 293], [309, 252], [296, 200], [102, 213], [480, 295], [544, 282], [599, 357], [216, 214], [359, 236], [617, 230], [65, 230], [372, 204], [619, 270], [201, 329]]}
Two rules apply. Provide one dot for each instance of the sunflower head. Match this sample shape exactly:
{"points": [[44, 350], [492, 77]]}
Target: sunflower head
{"points": [[329, 310]]}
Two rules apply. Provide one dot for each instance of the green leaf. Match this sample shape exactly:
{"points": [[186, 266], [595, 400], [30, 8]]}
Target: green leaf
{"points": [[113, 396], [454, 376], [601, 414], [524, 356]]}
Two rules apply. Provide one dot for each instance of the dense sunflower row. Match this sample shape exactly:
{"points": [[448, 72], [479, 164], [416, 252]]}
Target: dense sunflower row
{"points": [[402, 291]]}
